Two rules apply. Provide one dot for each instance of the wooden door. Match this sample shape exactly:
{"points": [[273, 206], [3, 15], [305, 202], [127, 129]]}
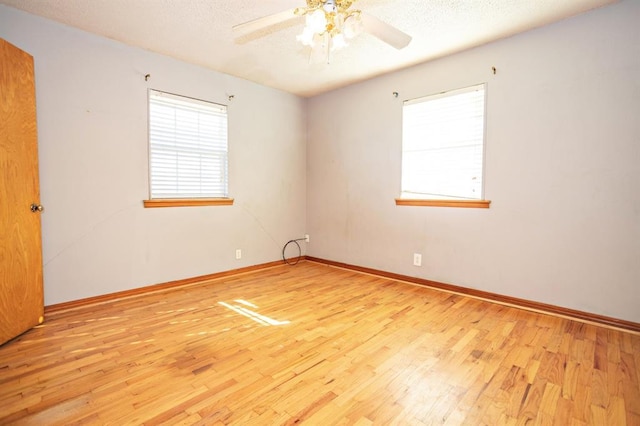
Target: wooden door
{"points": [[21, 290]]}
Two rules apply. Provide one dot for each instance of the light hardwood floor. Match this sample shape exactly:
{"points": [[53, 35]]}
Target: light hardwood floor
{"points": [[313, 344]]}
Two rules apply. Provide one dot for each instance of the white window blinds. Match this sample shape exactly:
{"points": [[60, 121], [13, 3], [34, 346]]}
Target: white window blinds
{"points": [[443, 145], [187, 147]]}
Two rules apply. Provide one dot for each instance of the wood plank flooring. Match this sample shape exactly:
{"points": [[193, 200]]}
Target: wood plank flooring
{"points": [[312, 344]]}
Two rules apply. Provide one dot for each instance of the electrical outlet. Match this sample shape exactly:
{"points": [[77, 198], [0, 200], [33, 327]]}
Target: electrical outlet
{"points": [[238, 254], [306, 238], [417, 259]]}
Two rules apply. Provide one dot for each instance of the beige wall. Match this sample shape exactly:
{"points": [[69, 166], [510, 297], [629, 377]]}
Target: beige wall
{"points": [[92, 124], [562, 170]]}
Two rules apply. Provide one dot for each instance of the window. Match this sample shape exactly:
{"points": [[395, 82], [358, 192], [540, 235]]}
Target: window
{"points": [[443, 146], [187, 149]]}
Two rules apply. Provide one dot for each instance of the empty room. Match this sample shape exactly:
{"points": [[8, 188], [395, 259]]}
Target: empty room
{"points": [[321, 212]]}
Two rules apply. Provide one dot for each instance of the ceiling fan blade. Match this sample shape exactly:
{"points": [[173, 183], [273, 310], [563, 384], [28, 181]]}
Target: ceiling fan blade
{"points": [[250, 27], [385, 32]]}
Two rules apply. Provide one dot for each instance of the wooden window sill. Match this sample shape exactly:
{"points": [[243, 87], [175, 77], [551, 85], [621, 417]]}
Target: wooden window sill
{"points": [[187, 202], [475, 204]]}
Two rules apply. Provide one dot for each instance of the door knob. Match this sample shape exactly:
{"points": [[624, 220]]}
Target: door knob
{"points": [[36, 207]]}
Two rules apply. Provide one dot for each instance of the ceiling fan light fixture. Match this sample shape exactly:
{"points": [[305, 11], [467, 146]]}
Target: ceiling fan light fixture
{"points": [[353, 26], [330, 22], [307, 37], [316, 21], [338, 41]]}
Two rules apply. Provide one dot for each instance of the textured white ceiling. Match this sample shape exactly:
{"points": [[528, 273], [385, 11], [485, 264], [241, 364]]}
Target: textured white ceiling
{"points": [[199, 31]]}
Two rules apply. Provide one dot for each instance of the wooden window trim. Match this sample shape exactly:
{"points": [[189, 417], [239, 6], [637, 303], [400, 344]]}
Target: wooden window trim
{"points": [[475, 204], [187, 202]]}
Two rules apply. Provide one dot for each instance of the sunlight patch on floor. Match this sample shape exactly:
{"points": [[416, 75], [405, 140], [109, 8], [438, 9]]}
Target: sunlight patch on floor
{"points": [[259, 318]]}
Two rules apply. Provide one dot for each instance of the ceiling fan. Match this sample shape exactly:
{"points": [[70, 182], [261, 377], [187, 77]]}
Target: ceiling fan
{"points": [[329, 24]]}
